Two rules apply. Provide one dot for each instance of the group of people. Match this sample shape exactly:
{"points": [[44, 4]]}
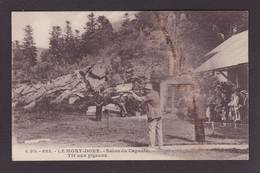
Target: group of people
{"points": [[227, 104], [150, 99]]}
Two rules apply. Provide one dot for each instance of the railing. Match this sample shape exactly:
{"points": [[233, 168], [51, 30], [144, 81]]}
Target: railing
{"points": [[176, 131]]}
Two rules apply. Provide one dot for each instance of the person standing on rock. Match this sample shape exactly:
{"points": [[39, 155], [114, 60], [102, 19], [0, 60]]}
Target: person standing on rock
{"points": [[154, 116]]}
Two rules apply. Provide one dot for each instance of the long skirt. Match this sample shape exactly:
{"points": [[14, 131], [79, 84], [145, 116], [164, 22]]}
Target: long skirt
{"points": [[199, 130]]}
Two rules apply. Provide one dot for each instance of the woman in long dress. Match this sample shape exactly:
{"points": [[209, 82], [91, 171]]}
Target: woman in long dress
{"points": [[199, 113]]}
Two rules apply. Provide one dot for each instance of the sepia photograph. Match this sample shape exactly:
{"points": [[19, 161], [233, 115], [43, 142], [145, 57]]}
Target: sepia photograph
{"points": [[130, 85]]}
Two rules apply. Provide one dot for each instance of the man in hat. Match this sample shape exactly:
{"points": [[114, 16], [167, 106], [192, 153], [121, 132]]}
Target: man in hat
{"points": [[154, 118]]}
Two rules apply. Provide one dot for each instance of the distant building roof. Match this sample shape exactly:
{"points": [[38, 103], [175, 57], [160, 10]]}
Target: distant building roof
{"points": [[232, 52]]}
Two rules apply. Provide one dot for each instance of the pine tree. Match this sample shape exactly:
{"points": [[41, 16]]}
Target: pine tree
{"points": [[69, 46], [17, 59], [17, 54], [56, 45], [89, 44], [77, 42], [29, 48], [91, 24], [126, 20], [104, 24], [104, 32]]}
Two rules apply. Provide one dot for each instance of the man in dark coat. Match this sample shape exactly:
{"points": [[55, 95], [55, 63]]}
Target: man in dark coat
{"points": [[99, 101], [199, 113]]}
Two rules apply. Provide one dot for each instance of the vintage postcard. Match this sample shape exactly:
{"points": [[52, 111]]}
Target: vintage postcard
{"points": [[130, 85]]}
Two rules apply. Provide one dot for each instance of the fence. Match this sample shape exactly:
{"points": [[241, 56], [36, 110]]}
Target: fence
{"points": [[133, 130]]}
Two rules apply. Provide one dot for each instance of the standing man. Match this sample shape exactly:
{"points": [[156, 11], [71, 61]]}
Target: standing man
{"points": [[235, 105], [154, 118], [99, 102]]}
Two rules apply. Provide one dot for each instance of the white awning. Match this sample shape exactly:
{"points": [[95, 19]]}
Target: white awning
{"points": [[232, 52]]}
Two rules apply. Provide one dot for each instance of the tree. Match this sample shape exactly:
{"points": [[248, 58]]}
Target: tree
{"points": [[77, 43], [191, 34], [104, 24], [91, 25], [98, 34], [127, 26], [209, 29], [126, 20], [17, 54], [127, 37], [69, 45], [17, 60], [29, 48], [146, 20], [56, 46], [104, 31], [45, 56], [89, 44]]}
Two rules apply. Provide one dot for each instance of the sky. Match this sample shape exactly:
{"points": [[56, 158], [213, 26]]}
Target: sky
{"points": [[42, 22]]}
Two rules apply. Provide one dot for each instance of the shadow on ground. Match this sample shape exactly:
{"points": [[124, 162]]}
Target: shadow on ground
{"points": [[92, 118], [178, 137], [134, 143], [219, 136]]}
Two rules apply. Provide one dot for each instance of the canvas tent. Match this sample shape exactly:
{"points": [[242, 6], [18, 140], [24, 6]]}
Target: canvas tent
{"points": [[229, 59], [232, 52]]}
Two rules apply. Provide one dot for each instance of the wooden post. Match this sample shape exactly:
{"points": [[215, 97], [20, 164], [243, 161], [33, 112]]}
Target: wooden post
{"points": [[173, 98], [107, 117], [213, 127], [163, 95]]}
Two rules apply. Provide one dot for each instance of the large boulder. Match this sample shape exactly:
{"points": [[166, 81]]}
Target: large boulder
{"points": [[60, 89]]}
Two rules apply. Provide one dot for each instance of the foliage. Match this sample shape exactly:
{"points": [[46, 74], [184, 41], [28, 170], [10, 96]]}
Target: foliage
{"points": [[29, 48], [24, 56], [55, 52], [141, 46]]}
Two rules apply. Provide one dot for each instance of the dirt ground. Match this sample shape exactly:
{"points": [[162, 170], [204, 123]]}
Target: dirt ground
{"points": [[73, 129]]}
